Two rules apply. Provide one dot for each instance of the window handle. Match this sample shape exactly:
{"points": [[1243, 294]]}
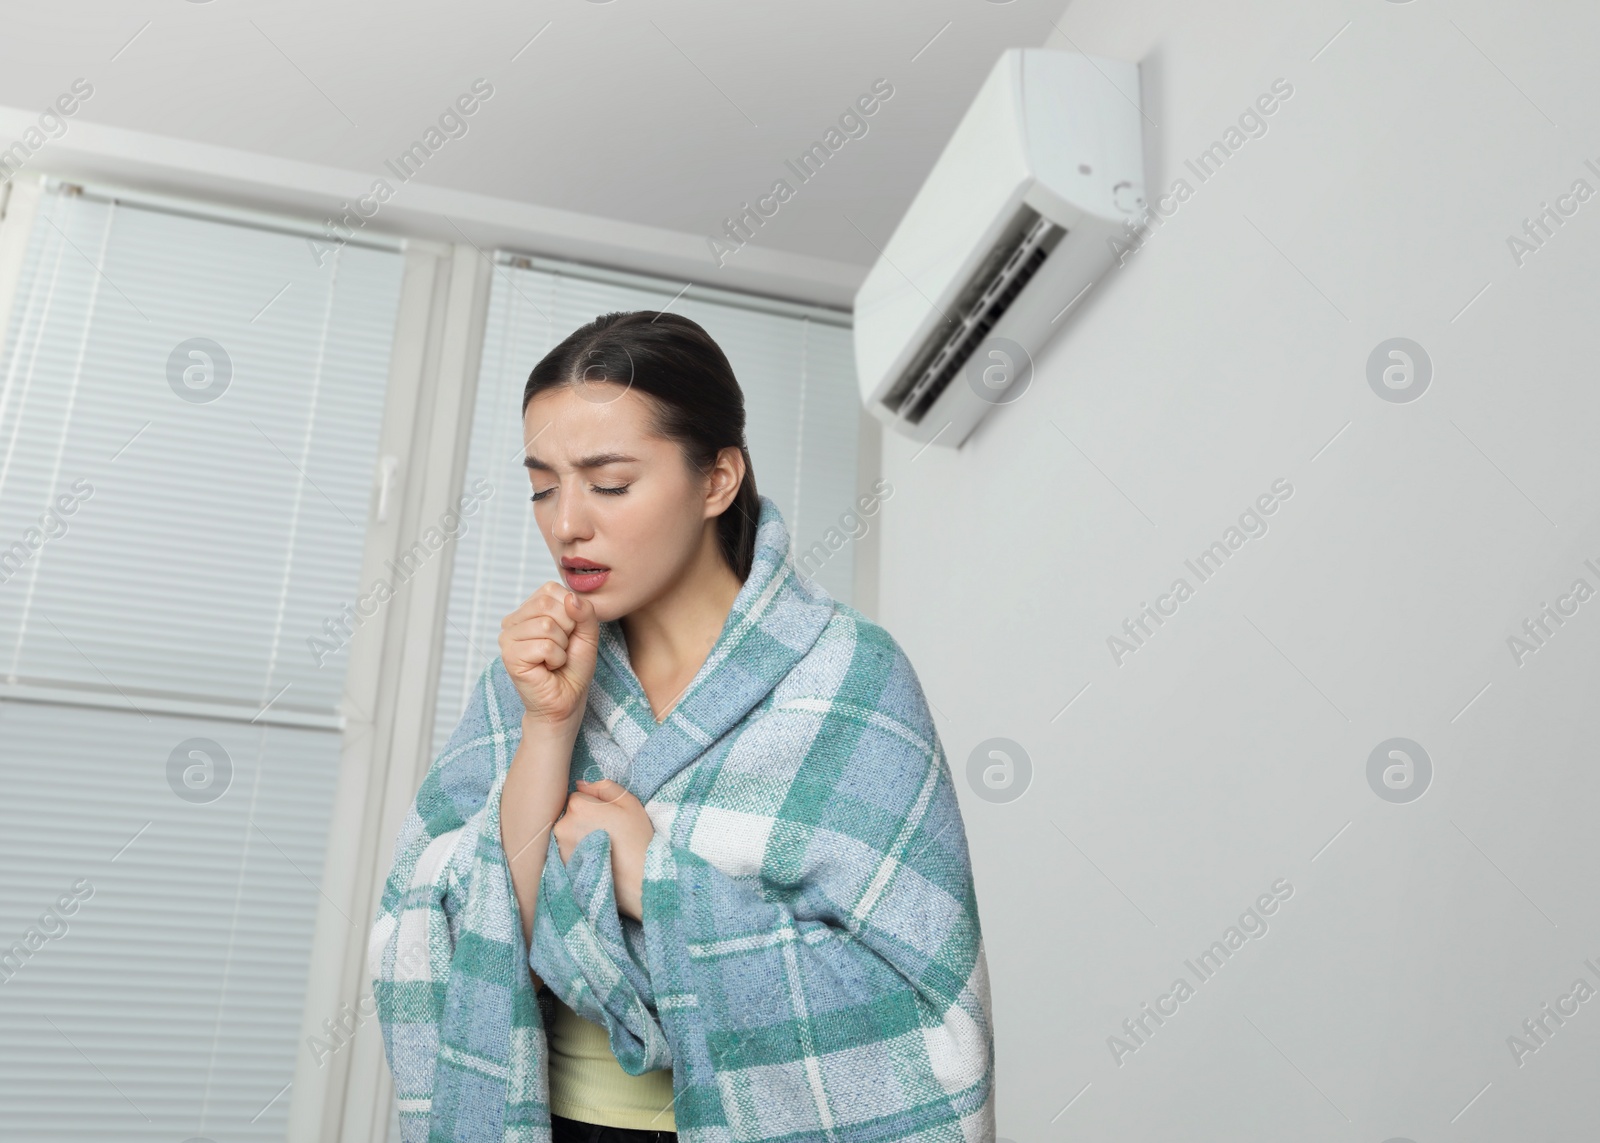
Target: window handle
{"points": [[387, 468]]}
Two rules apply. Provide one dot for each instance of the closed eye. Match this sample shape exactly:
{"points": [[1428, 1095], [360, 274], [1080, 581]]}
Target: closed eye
{"points": [[616, 490]]}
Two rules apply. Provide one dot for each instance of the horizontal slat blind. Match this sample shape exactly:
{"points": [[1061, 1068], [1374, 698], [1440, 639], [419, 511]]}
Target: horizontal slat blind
{"points": [[796, 369], [170, 1006], [218, 541], [217, 537]]}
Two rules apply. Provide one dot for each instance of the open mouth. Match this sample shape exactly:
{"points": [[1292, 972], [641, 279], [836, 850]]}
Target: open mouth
{"points": [[582, 574]]}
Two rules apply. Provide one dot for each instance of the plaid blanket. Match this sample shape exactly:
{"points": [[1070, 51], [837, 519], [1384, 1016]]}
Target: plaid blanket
{"points": [[809, 964]]}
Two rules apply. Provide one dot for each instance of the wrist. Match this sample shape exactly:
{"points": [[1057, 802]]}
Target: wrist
{"points": [[541, 764], [541, 730]]}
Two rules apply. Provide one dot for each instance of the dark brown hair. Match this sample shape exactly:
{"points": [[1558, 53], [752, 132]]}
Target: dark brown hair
{"points": [[697, 400]]}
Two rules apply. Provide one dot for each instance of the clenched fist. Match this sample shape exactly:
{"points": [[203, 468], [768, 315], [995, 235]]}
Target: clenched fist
{"points": [[549, 645], [607, 805]]}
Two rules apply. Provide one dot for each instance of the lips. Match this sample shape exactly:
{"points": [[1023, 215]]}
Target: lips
{"points": [[583, 575]]}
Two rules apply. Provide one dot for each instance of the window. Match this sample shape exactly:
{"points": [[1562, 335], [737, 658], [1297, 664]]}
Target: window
{"points": [[189, 414], [216, 438], [793, 362]]}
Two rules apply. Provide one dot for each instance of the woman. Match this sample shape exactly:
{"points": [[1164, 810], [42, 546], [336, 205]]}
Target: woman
{"points": [[692, 863]]}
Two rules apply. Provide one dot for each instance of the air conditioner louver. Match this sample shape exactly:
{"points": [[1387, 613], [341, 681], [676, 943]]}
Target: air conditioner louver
{"points": [[1013, 260]]}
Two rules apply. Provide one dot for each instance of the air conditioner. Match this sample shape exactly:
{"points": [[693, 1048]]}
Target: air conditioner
{"points": [[1010, 227]]}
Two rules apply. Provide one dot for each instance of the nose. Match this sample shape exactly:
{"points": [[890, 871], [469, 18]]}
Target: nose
{"points": [[572, 516]]}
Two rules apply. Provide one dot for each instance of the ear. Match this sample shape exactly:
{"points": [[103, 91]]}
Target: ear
{"points": [[724, 479]]}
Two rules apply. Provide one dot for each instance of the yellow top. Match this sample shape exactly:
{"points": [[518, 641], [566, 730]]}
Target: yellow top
{"points": [[588, 1084]]}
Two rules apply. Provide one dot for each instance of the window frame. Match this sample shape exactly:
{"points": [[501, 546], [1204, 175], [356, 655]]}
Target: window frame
{"points": [[393, 673]]}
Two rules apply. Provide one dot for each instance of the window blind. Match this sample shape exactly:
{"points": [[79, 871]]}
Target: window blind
{"points": [[796, 368], [189, 415]]}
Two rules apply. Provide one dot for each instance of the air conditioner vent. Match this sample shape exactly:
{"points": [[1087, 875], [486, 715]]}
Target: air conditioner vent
{"points": [[1014, 259]]}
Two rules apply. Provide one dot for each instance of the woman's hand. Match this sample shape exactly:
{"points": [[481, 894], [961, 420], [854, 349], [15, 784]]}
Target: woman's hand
{"points": [[549, 645], [609, 806]]}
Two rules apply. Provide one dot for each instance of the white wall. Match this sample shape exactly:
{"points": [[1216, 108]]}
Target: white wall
{"points": [[1227, 751]]}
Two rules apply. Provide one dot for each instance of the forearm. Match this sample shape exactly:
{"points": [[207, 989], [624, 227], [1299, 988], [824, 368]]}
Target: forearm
{"points": [[534, 795]]}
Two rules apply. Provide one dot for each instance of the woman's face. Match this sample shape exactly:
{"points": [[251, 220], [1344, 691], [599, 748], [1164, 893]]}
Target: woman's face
{"points": [[608, 494]]}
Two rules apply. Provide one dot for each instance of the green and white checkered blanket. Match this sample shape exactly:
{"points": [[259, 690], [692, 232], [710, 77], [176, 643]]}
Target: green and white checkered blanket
{"points": [[810, 963]]}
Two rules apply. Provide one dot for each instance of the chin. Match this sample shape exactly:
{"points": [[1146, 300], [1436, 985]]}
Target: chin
{"points": [[605, 611], [608, 605]]}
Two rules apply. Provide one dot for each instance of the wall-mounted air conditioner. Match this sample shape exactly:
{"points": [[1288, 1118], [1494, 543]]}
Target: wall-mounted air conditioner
{"points": [[1011, 226]]}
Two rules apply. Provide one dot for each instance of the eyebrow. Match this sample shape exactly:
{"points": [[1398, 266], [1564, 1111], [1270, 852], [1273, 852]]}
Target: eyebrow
{"points": [[597, 460]]}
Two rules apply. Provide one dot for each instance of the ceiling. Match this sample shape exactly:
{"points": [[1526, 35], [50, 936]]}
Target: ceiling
{"points": [[659, 116]]}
